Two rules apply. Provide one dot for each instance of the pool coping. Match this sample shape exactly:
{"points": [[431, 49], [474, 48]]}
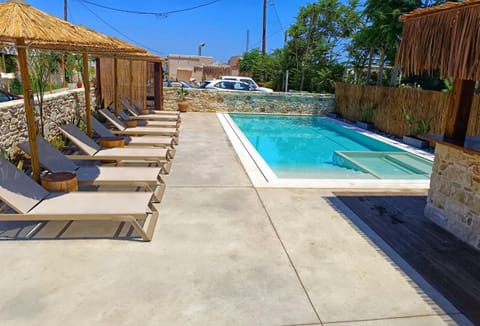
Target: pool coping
{"points": [[262, 176]]}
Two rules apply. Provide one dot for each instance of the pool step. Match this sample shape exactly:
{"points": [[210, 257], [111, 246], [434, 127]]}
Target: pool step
{"points": [[386, 165]]}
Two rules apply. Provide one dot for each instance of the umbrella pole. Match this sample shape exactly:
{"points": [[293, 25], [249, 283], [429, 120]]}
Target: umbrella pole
{"points": [[115, 84], [29, 113], [86, 83]]}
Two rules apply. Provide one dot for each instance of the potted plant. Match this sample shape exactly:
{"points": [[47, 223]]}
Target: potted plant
{"points": [[366, 117], [415, 128], [182, 102]]}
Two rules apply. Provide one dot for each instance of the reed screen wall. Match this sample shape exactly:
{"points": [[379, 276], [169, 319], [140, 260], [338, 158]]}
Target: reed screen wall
{"points": [[430, 106], [139, 75]]}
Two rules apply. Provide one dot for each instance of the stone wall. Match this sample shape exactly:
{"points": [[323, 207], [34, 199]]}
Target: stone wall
{"points": [[58, 108], [202, 100], [454, 196], [68, 105]]}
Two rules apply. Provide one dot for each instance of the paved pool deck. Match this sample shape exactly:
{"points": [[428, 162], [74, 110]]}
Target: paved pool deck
{"points": [[223, 253]]}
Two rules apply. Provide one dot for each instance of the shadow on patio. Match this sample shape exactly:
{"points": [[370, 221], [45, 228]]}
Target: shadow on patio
{"points": [[449, 265]]}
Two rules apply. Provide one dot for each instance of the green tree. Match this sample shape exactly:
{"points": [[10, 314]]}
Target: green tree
{"points": [[377, 40], [73, 65], [264, 69], [41, 64], [384, 31], [316, 39]]}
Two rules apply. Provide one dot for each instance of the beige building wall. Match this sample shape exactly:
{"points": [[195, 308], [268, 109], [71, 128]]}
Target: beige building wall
{"points": [[182, 66]]}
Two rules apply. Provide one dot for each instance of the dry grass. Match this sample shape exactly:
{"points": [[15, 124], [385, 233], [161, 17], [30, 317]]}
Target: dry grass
{"points": [[443, 37]]}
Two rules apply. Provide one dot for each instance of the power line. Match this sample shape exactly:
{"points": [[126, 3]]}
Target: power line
{"points": [[157, 14], [272, 4], [117, 30]]}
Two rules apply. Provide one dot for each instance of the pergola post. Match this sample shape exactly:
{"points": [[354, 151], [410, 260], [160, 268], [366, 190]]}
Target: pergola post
{"points": [[459, 111], [86, 84], [161, 87], [98, 78], [130, 66], [115, 84], [157, 83], [29, 113]]}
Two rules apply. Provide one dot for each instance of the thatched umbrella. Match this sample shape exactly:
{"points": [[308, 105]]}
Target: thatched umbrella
{"points": [[446, 38], [24, 26]]}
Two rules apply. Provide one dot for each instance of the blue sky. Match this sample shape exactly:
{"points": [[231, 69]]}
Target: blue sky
{"points": [[222, 24]]}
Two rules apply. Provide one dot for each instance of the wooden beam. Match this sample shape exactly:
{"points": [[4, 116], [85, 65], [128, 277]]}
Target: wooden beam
{"points": [[88, 104], [115, 84], [157, 81], [459, 111], [130, 66], [29, 112], [161, 87], [98, 78]]}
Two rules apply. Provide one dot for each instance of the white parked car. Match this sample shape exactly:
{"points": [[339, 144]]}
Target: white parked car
{"points": [[231, 85], [250, 82]]}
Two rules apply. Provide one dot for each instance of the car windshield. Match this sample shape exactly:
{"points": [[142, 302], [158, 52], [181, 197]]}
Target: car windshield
{"points": [[249, 82], [232, 85]]}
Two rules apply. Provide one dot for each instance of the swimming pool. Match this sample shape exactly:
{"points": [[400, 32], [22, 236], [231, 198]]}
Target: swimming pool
{"points": [[313, 147]]}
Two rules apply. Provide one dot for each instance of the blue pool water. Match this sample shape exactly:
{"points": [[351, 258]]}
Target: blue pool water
{"points": [[297, 146]]}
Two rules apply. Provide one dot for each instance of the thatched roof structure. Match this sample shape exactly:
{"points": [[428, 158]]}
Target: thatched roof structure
{"points": [[445, 37], [25, 27], [147, 56], [43, 31], [21, 21]]}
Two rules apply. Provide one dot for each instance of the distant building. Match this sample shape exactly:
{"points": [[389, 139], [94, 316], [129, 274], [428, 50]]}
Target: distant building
{"points": [[234, 63], [186, 67]]}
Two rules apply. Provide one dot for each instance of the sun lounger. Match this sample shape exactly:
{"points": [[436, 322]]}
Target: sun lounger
{"points": [[32, 202], [140, 108], [124, 130], [54, 161], [148, 123], [159, 156], [141, 141], [153, 116]]}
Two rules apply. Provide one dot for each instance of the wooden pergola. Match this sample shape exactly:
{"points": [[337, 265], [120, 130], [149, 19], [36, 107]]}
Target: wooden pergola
{"points": [[445, 38], [131, 57], [23, 26]]}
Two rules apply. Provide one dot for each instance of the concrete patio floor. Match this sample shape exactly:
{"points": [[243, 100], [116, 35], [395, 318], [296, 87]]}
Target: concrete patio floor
{"points": [[224, 253]]}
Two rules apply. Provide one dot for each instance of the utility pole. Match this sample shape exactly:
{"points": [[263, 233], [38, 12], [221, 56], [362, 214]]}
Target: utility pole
{"points": [[65, 6], [248, 40], [264, 32]]}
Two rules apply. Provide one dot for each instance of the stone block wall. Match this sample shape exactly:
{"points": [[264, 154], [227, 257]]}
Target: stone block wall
{"points": [[202, 100], [454, 195], [69, 105], [58, 108]]}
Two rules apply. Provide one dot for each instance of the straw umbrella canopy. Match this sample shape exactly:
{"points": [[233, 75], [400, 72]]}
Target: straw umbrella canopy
{"points": [[23, 26], [445, 38]]}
